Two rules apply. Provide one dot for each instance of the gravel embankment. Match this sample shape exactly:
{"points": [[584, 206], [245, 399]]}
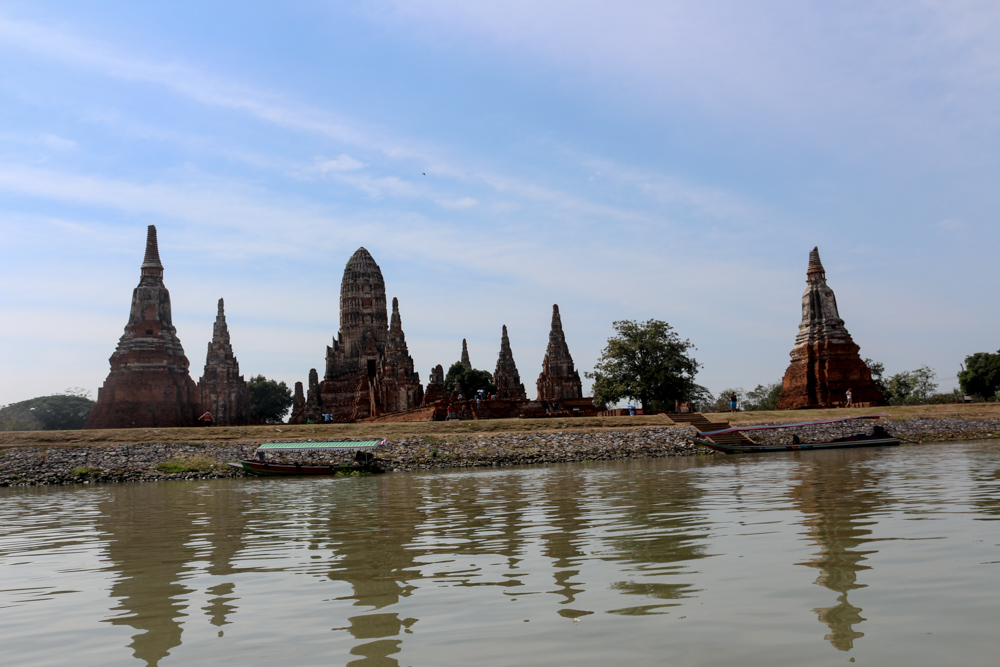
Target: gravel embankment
{"points": [[29, 466]]}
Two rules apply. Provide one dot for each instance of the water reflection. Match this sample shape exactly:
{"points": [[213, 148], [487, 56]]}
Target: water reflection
{"points": [[365, 570], [838, 495], [153, 535]]}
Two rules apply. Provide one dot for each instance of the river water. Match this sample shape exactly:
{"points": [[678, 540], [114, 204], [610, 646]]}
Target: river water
{"points": [[878, 556]]}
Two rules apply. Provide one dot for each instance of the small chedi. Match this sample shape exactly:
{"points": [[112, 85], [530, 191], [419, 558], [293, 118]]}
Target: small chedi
{"points": [[559, 380], [825, 360], [222, 389], [506, 377], [436, 391], [369, 371], [149, 383]]}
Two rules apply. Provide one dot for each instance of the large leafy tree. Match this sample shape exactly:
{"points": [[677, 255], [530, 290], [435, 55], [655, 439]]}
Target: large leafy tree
{"points": [[58, 412], [980, 374], [269, 400], [471, 379], [645, 362]]}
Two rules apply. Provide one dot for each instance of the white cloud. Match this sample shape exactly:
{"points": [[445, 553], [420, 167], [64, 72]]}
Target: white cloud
{"points": [[342, 162], [58, 143], [464, 202]]}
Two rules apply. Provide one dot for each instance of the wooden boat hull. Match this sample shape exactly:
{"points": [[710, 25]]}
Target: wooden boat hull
{"points": [[290, 469], [748, 447]]}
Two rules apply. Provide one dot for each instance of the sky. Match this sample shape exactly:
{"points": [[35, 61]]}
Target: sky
{"points": [[627, 161]]}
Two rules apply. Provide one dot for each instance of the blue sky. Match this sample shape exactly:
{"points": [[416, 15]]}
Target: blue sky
{"points": [[624, 160]]}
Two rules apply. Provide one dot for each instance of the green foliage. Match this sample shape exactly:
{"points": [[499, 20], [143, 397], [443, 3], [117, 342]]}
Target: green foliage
{"points": [[646, 362], [877, 369], [721, 402], [763, 397], [186, 464], [269, 400], [471, 379], [59, 412], [906, 388], [980, 375], [911, 387]]}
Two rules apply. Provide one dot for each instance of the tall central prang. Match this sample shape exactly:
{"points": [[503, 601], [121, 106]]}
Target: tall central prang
{"points": [[368, 368]]}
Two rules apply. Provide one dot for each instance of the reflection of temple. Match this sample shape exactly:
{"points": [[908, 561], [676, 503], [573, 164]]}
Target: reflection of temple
{"points": [[150, 562], [837, 502]]}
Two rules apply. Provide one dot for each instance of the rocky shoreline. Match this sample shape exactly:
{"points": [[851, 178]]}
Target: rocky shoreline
{"points": [[44, 466]]}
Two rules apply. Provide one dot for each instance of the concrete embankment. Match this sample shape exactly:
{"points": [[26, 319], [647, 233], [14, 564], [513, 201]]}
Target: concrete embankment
{"points": [[43, 465]]}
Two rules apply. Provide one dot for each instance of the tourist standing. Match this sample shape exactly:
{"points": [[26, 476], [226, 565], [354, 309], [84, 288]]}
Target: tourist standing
{"points": [[732, 402], [850, 402]]}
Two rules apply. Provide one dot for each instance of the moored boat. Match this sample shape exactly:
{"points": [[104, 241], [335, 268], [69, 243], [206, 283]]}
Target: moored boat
{"points": [[364, 458], [736, 441]]}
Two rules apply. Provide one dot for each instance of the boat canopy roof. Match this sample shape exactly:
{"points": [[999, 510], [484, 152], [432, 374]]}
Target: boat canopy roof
{"points": [[320, 446], [738, 429]]}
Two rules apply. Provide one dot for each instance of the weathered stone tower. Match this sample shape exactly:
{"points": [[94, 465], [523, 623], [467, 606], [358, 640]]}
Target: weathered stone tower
{"points": [[149, 384], [825, 360], [368, 368], [506, 377], [559, 380], [222, 389], [465, 355]]}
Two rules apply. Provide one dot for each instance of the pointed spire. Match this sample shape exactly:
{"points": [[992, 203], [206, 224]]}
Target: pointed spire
{"points": [[559, 379], [556, 322], [220, 331], [465, 354], [152, 258], [815, 270], [396, 323], [506, 378]]}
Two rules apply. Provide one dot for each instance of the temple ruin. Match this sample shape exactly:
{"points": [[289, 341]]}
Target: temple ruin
{"points": [[369, 371], [825, 360], [559, 380], [506, 377], [222, 390], [149, 384]]}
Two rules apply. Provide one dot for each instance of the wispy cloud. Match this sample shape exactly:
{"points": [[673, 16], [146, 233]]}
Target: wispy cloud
{"points": [[342, 162], [464, 202]]}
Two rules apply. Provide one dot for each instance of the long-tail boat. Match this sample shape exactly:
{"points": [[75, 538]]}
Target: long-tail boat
{"points": [[736, 441], [364, 458]]}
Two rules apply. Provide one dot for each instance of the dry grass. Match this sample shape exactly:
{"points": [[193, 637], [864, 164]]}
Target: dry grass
{"points": [[444, 431]]}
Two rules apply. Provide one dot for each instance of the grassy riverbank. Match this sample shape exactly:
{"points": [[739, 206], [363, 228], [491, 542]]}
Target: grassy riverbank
{"points": [[455, 430]]}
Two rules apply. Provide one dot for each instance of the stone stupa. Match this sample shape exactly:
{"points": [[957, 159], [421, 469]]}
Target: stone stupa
{"points": [[825, 360]]}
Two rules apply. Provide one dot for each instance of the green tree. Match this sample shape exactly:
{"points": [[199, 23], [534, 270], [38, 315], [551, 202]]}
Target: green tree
{"points": [[912, 387], [906, 388], [763, 397], [269, 400], [877, 369], [645, 362], [980, 375], [721, 402], [471, 379], [59, 412]]}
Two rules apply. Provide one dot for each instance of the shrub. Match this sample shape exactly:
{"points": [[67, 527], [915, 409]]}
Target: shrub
{"points": [[186, 464]]}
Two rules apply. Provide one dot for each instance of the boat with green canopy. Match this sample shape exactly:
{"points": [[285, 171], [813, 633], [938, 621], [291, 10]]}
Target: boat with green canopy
{"points": [[364, 458]]}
